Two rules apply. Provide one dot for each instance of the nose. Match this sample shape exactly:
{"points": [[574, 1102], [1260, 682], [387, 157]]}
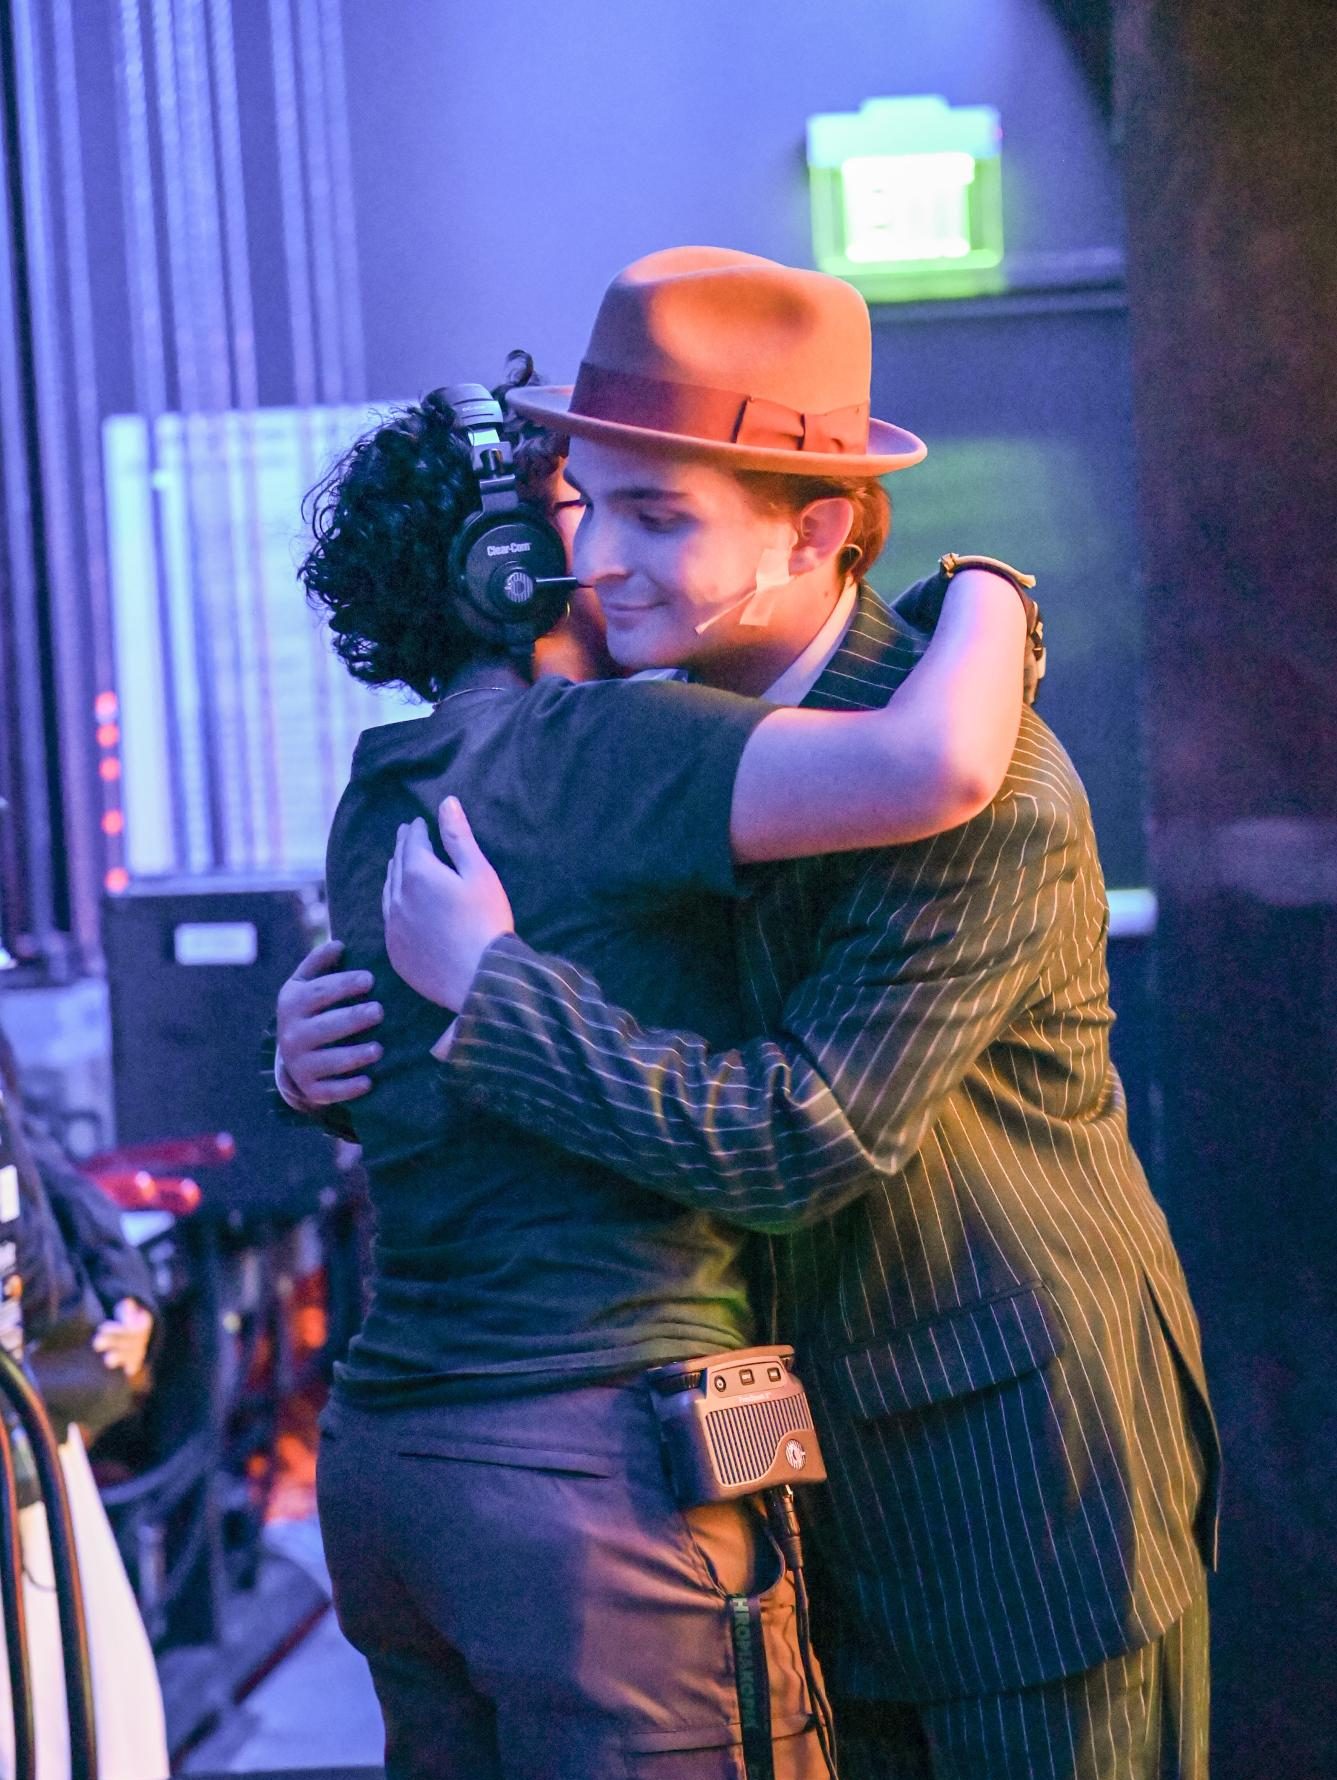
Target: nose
{"points": [[595, 557]]}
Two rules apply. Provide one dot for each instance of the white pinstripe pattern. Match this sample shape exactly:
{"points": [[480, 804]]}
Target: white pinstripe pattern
{"points": [[972, 1265], [1143, 1716]]}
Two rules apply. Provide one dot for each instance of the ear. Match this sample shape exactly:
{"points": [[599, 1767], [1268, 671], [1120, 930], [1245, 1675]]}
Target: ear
{"points": [[822, 528]]}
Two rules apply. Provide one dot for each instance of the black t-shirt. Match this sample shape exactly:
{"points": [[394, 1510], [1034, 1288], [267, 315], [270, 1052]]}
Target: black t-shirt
{"points": [[502, 1263]]}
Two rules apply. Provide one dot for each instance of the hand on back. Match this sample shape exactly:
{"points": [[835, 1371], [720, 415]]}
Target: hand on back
{"points": [[439, 918], [320, 1010]]}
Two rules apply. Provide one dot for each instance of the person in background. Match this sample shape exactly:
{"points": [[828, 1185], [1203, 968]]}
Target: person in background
{"points": [[88, 1319]]}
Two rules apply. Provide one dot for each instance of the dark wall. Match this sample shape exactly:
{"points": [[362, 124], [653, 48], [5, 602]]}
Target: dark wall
{"points": [[1226, 117], [1031, 458], [509, 159]]}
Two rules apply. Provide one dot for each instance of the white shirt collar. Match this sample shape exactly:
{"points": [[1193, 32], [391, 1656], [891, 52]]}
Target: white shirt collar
{"points": [[806, 669]]}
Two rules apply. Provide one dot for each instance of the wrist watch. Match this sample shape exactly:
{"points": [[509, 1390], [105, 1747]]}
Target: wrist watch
{"points": [[951, 564]]}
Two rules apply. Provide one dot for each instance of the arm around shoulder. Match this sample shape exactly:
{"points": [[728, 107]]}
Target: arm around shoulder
{"points": [[931, 760]]}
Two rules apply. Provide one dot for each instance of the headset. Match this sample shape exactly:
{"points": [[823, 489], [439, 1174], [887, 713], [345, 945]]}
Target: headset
{"points": [[507, 571]]}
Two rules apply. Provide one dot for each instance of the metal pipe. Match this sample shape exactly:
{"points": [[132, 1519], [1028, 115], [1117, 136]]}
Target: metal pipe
{"points": [[306, 370], [87, 442], [149, 358], [262, 746], [186, 296], [62, 536], [22, 516]]}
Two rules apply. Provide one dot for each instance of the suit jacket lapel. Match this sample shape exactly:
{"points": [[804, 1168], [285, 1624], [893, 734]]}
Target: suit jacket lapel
{"points": [[877, 653]]}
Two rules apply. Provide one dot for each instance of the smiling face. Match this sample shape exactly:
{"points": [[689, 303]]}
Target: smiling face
{"points": [[669, 545], [575, 647]]}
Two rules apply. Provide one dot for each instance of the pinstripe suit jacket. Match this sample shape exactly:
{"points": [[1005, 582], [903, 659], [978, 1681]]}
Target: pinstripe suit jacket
{"points": [[989, 1311]]}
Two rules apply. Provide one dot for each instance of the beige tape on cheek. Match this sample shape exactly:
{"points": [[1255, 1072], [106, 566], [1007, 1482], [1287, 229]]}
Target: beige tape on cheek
{"points": [[758, 602], [773, 577]]}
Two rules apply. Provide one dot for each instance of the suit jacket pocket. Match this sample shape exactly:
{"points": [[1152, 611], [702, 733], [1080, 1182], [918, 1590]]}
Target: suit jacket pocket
{"points": [[951, 1355]]}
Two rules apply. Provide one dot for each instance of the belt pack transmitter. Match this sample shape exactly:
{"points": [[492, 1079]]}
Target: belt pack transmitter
{"points": [[734, 1424]]}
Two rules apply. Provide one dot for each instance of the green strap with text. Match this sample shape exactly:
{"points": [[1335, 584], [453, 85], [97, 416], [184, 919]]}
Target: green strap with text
{"points": [[754, 1686]]}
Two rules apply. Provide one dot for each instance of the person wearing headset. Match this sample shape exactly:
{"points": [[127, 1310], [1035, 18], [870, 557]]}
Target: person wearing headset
{"points": [[503, 1544]]}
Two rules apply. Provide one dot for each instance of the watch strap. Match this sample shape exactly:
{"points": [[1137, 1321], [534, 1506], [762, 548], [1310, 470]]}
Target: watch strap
{"points": [[951, 563]]}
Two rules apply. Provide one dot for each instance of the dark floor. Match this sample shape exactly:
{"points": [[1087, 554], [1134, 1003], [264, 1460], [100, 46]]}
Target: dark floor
{"points": [[315, 1712]]}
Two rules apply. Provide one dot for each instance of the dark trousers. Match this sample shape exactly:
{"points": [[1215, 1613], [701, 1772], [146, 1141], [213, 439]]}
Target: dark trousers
{"points": [[1142, 1716], [532, 1602]]}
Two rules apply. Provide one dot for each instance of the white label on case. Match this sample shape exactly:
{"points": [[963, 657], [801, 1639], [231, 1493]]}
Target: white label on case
{"points": [[9, 1193], [216, 942]]}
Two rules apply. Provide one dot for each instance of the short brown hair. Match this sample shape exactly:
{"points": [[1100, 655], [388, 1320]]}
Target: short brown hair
{"points": [[778, 492]]}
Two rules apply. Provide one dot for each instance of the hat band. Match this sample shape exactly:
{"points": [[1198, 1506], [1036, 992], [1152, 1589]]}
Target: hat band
{"points": [[695, 412]]}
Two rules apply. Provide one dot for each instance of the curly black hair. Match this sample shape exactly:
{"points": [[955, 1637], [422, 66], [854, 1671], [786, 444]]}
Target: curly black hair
{"points": [[384, 520]]}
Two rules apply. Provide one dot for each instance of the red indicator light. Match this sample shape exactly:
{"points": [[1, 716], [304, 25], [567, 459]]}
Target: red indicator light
{"points": [[113, 822], [109, 768], [105, 706], [108, 734], [117, 880]]}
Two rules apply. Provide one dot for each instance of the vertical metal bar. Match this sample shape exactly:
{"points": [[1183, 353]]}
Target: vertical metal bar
{"points": [[315, 124], [69, 645], [314, 90], [326, 50], [215, 590], [236, 259], [87, 432], [185, 294], [149, 357], [288, 134], [344, 214], [23, 514], [307, 389]]}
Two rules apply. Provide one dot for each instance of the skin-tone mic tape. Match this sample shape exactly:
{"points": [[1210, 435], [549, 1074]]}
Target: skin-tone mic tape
{"points": [[758, 602]]}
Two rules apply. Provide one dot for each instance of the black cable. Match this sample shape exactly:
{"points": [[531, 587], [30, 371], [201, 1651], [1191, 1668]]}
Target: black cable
{"points": [[784, 1525], [32, 1417], [16, 1629]]}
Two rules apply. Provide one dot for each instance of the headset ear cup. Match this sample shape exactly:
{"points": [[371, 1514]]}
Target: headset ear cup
{"points": [[495, 561], [507, 570], [471, 617]]}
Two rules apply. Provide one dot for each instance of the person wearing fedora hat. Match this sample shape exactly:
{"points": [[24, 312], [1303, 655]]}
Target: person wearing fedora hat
{"points": [[501, 1538], [1003, 1354]]}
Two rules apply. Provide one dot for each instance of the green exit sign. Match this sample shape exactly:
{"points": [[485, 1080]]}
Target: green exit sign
{"points": [[907, 198]]}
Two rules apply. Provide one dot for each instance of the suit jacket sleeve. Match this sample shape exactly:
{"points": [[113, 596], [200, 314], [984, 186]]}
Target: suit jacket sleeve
{"points": [[925, 954]]}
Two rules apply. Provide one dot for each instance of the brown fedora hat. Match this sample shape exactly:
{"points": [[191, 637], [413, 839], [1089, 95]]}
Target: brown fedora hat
{"points": [[728, 356]]}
